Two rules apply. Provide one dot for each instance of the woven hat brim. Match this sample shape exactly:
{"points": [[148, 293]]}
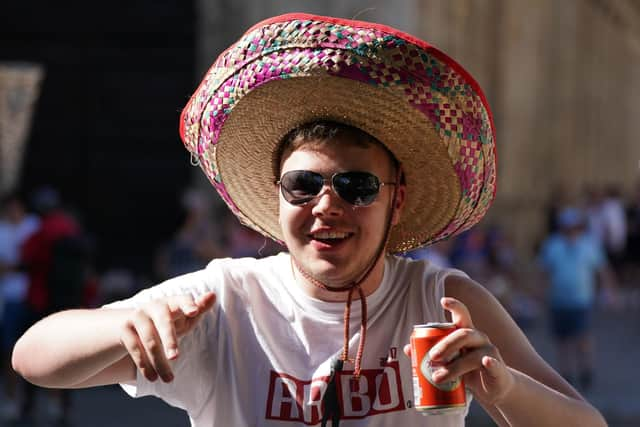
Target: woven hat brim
{"points": [[245, 150]]}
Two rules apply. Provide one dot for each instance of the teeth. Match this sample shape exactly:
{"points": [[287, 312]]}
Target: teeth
{"points": [[330, 235]]}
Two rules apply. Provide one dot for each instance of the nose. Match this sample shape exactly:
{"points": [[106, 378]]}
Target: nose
{"points": [[328, 203]]}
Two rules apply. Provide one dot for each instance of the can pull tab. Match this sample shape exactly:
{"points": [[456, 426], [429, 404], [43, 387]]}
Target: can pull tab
{"points": [[330, 398]]}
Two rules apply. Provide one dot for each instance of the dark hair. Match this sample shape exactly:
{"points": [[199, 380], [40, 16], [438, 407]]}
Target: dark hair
{"points": [[320, 132]]}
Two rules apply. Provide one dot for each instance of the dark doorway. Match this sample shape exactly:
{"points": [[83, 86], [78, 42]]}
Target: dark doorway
{"points": [[105, 128]]}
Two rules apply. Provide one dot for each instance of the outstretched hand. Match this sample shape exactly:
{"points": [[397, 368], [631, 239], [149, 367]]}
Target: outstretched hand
{"points": [[478, 361], [151, 334]]}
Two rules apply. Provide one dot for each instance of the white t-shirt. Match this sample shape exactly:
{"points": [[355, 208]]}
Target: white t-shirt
{"points": [[262, 356]]}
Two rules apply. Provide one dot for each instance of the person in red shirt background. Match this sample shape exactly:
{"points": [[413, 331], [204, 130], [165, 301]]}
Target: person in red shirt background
{"points": [[56, 258]]}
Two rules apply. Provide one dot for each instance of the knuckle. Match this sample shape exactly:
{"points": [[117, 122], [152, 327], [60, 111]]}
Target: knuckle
{"points": [[152, 345], [465, 333], [128, 331], [187, 299], [163, 316], [494, 351], [139, 316], [137, 357]]}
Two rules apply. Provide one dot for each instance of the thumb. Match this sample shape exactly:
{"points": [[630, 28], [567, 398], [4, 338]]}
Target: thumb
{"points": [[206, 301], [201, 304], [407, 350], [491, 367], [496, 378]]}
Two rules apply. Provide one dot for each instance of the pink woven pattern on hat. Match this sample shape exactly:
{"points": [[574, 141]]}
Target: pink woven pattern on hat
{"points": [[302, 47]]}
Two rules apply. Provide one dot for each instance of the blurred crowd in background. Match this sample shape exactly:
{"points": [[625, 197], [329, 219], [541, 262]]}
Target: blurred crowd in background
{"points": [[47, 263]]}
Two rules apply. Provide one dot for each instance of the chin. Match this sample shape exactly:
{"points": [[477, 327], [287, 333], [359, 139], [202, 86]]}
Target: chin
{"points": [[329, 273]]}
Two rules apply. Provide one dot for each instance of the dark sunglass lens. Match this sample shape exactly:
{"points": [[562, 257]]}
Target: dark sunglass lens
{"points": [[357, 188], [300, 186]]}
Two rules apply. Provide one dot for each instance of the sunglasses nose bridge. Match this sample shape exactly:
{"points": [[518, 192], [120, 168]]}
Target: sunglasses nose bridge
{"points": [[327, 201], [327, 189]]}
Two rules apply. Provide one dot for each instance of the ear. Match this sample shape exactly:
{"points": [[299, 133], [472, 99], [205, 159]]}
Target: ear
{"points": [[399, 202], [276, 194]]}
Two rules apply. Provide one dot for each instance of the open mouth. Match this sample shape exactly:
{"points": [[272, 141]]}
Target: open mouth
{"points": [[330, 237]]}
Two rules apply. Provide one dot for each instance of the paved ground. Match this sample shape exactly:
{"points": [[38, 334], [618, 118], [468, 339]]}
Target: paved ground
{"points": [[615, 391]]}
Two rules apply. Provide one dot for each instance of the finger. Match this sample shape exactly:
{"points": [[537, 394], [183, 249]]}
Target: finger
{"points": [[462, 365], [493, 367], [496, 378], [407, 350], [152, 344], [132, 344], [206, 301], [182, 305], [189, 306], [163, 320], [451, 345], [459, 313]]}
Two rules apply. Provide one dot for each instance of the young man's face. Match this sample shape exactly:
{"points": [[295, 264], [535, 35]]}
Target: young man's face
{"points": [[330, 238]]}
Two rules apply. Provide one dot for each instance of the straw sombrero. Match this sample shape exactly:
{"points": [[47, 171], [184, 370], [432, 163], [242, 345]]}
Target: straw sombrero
{"points": [[297, 68]]}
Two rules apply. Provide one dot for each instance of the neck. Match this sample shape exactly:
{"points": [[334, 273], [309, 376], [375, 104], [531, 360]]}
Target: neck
{"points": [[317, 290]]}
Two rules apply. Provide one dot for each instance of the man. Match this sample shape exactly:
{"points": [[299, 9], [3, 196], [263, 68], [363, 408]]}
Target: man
{"points": [[575, 261], [323, 134]]}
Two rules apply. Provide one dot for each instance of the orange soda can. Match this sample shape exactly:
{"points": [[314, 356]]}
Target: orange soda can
{"points": [[431, 398]]}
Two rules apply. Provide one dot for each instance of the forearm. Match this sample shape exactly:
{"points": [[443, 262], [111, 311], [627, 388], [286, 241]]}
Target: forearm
{"points": [[531, 403], [69, 347]]}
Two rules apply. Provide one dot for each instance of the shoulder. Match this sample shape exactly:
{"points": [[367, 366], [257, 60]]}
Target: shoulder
{"points": [[590, 241], [239, 269], [466, 289], [485, 310], [249, 278], [424, 278], [551, 249], [229, 278], [405, 266], [421, 273]]}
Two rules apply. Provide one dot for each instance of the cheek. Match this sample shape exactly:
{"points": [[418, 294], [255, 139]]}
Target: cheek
{"points": [[372, 221], [282, 217], [289, 217]]}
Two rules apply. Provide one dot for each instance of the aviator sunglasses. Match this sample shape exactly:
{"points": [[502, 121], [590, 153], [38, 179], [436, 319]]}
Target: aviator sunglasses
{"points": [[355, 187]]}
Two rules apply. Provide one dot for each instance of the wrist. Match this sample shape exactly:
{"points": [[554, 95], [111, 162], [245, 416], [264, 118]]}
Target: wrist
{"points": [[508, 390]]}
